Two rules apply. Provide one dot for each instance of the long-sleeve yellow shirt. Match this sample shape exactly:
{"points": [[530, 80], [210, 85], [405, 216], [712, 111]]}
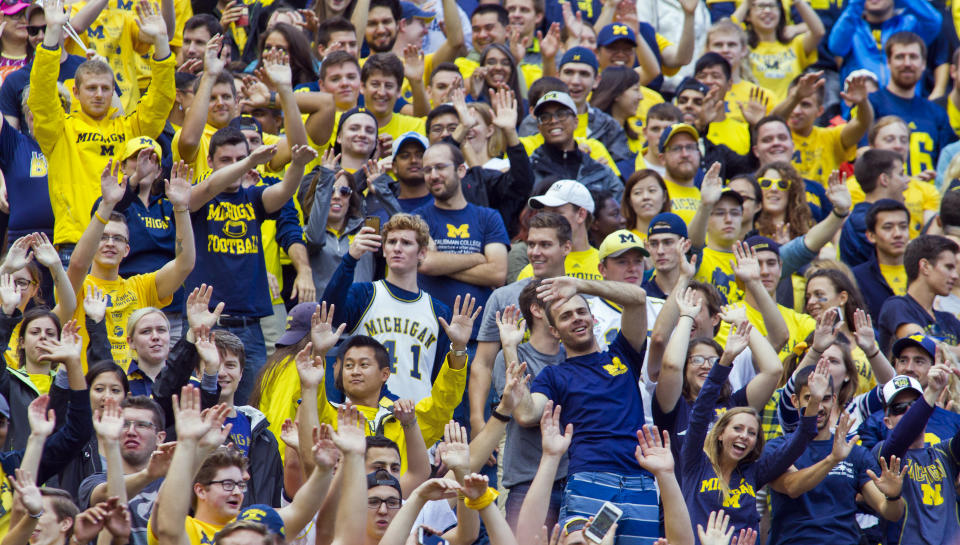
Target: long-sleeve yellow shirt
{"points": [[78, 147]]}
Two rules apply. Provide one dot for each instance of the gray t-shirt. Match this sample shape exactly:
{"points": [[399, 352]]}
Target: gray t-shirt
{"points": [[500, 299], [140, 505], [522, 447]]}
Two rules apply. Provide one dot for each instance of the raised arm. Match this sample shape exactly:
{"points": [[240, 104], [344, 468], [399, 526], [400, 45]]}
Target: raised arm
{"points": [[214, 184], [108, 424], [747, 270], [418, 462], [402, 524], [195, 118], [670, 312], [455, 43], [856, 94], [710, 191], [86, 247], [631, 297], [43, 100], [815, 29], [311, 494], [681, 53], [883, 493], [276, 67], [656, 457], [171, 276], [555, 441], [41, 422], [26, 491], [670, 380], [795, 483], [276, 195], [769, 371], [352, 508], [489, 436]]}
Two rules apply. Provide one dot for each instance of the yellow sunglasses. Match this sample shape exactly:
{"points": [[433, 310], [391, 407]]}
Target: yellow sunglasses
{"points": [[779, 183]]}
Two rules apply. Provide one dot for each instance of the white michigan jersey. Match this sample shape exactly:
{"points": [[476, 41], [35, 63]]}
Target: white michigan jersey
{"points": [[607, 316], [409, 330]]}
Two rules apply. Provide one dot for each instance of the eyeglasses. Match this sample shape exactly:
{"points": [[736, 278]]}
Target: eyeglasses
{"points": [[684, 148], [780, 183], [436, 168], [559, 115], [23, 283], [374, 502], [702, 361], [439, 129], [344, 191], [502, 62], [139, 425], [896, 409], [764, 7], [574, 525], [33, 30], [119, 239], [229, 484]]}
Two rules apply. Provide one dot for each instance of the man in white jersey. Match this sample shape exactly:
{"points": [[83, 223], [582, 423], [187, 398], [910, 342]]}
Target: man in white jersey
{"points": [[395, 311]]}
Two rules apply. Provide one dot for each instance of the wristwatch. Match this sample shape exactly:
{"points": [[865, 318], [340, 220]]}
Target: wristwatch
{"points": [[458, 353]]}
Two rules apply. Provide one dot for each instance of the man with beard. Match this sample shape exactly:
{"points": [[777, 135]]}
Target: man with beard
{"points": [[906, 60], [141, 426], [380, 24], [680, 154], [471, 241]]}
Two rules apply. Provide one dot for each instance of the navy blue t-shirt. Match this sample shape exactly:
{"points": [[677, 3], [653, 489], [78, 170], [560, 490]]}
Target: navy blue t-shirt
{"points": [[230, 252], [11, 92], [904, 309], [600, 396], [929, 126], [465, 231], [25, 170], [825, 514], [407, 206], [854, 246], [943, 424], [677, 420], [240, 432]]}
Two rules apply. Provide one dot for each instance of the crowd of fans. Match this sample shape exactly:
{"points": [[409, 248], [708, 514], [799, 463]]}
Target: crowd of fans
{"points": [[397, 272]]}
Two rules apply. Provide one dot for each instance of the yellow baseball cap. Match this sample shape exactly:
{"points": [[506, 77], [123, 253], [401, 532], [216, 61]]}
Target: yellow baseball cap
{"points": [[619, 242], [134, 145]]}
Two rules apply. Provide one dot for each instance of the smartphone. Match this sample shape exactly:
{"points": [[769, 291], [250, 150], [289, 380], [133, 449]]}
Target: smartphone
{"points": [[374, 222], [602, 521], [839, 312], [425, 537]]}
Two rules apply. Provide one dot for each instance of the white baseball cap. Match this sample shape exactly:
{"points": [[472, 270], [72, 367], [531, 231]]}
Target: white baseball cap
{"points": [[899, 384], [564, 192]]}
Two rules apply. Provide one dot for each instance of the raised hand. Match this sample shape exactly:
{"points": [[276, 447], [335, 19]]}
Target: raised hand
{"points": [[150, 22], [511, 326], [557, 290], [89, 523], [439, 489], [216, 433], [653, 454], [322, 334], [505, 108], [842, 447], [41, 420], [54, 13], [460, 326], [108, 421], [160, 459], [459, 99], [68, 349], [27, 491], [551, 42], [890, 481], [255, 93], [9, 294], [755, 108], [456, 447], [207, 350], [747, 266], [554, 441], [350, 436], [301, 156], [198, 308], [178, 187], [712, 185], [310, 368], [838, 193], [290, 434], [190, 424], [808, 84], [263, 154], [413, 63], [856, 90], [329, 160], [688, 267], [718, 530], [747, 536], [738, 340], [110, 188], [44, 251], [118, 522], [19, 254], [863, 333], [477, 80], [276, 68], [515, 389], [405, 411], [475, 485], [689, 302], [819, 380], [734, 313], [325, 451], [215, 56], [825, 333]]}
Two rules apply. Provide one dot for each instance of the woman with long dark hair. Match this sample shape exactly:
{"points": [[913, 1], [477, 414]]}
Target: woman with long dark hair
{"points": [[498, 70], [619, 94], [644, 196], [295, 44]]}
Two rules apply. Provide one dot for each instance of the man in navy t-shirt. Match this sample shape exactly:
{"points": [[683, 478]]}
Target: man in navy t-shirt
{"points": [[226, 220], [931, 266], [471, 241], [600, 397]]}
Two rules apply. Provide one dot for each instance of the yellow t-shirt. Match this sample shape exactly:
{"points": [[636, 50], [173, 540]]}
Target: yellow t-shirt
{"points": [[774, 65], [597, 150], [278, 399], [867, 381], [6, 503], [124, 295], [648, 99], [198, 532], [684, 200], [952, 112], [896, 277], [820, 153], [740, 92], [920, 197], [731, 133], [200, 164], [715, 269], [584, 264], [41, 381], [529, 72], [400, 124], [799, 326]]}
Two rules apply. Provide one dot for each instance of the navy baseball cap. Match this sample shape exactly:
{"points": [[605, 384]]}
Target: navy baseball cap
{"points": [[762, 243], [247, 123], [923, 342], [691, 83], [298, 324], [731, 194], [614, 32], [675, 129], [409, 9], [582, 55], [667, 222], [266, 515], [380, 477]]}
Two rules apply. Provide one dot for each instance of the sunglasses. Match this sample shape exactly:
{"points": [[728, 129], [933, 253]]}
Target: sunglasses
{"points": [[344, 191], [780, 183], [34, 30], [897, 409]]}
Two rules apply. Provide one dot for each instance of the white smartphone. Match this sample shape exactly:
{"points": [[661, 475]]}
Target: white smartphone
{"points": [[839, 312], [606, 517]]}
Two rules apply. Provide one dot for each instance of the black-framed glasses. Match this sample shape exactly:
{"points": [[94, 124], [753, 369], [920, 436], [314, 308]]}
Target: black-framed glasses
{"points": [[779, 183], [33, 30], [701, 361], [229, 485], [374, 503]]}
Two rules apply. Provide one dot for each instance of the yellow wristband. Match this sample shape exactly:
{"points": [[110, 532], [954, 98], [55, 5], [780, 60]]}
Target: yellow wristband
{"points": [[99, 217], [486, 499]]}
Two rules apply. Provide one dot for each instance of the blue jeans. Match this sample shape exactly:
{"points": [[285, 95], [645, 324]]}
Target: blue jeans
{"points": [[635, 495], [518, 493]]}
